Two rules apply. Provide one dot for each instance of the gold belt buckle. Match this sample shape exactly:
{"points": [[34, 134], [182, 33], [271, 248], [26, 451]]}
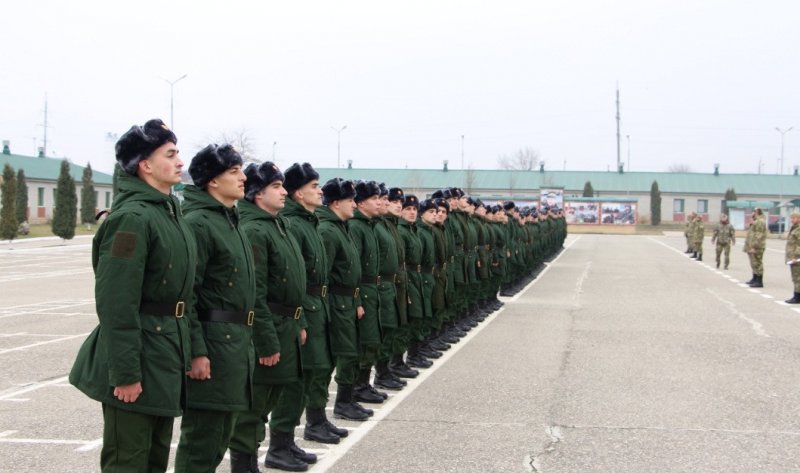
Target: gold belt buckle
{"points": [[180, 307], [250, 316], [297, 313], [419, 268], [324, 291], [356, 292]]}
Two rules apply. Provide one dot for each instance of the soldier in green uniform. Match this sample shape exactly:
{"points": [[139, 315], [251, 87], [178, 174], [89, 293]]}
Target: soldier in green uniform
{"points": [[344, 277], [687, 232], [436, 340], [279, 328], [698, 231], [448, 333], [724, 237], [305, 196], [793, 256], [754, 245], [428, 215], [455, 268], [135, 361], [221, 315], [391, 256], [362, 230]]}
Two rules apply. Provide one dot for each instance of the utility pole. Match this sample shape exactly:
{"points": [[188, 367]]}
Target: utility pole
{"points": [[339, 144], [45, 126], [618, 150], [462, 151], [172, 98]]}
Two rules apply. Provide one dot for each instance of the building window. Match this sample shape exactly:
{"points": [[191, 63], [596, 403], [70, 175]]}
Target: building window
{"points": [[40, 197], [54, 199], [702, 206], [108, 199], [677, 206], [775, 210]]}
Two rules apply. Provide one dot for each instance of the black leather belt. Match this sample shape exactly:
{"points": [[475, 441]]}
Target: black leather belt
{"points": [[316, 290], [344, 291], [163, 309], [244, 317], [371, 280], [285, 310]]}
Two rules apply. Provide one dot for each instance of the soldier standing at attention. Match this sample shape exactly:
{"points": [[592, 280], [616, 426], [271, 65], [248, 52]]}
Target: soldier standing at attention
{"points": [[698, 231], [754, 245], [222, 311], [688, 232], [344, 276], [793, 256], [305, 196], [143, 258], [724, 237], [279, 329]]}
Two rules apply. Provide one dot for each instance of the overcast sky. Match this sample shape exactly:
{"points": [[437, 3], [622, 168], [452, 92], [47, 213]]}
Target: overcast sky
{"points": [[701, 82]]}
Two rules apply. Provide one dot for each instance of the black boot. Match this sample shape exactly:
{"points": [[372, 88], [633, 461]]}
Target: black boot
{"points": [[752, 280], [401, 369], [301, 454], [244, 463], [795, 299], [415, 359], [344, 408], [317, 428], [758, 281], [280, 455], [363, 391], [385, 379], [694, 255], [700, 257]]}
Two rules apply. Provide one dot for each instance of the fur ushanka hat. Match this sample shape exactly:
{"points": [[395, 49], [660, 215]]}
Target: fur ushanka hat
{"points": [[139, 142]]}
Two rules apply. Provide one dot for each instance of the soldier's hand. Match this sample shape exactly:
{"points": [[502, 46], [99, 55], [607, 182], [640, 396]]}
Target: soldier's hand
{"points": [[359, 312], [303, 336], [129, 392], [201, 368], [271, 360]]}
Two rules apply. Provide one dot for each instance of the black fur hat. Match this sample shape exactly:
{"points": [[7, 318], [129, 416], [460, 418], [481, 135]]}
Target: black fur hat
{"points": [[509, 205], [337, 189], [384, 189], [442, 204], [260, 176], [212, 161], [139, 142], [437, 194], [411, 201], [456, 193], [426, 204], [298, 175], [366, 189], [395, 193]]}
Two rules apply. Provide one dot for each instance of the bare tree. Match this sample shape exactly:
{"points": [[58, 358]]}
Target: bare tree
{"points": [[679, 168], [525, 159], [241, 141]]}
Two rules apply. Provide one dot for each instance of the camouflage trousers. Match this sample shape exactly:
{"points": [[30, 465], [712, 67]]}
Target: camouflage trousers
{"points": [[795, 269], [726, 248], [757, 261]]}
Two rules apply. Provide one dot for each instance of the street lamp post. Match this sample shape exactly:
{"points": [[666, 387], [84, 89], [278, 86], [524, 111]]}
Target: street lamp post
{"points": [[273, 149], [462, 151], [783, 133], [780, 174], [172, 98], [338, 144]]}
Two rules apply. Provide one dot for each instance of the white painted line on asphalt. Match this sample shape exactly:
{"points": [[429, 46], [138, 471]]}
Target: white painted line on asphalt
{"points": [[9, 393], [22, 399], [754, 291], [581, 279], [90, 446], [45, 441], [796, 310], [6, 433], [539, 276], [767, 296], [33, 345], [757, 327]]}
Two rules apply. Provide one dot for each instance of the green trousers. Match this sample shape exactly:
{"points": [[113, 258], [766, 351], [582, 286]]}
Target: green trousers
{"points": [[387, 346], [368, 355], [205, 435], [249, 431], [134, 442], [346, 369]]}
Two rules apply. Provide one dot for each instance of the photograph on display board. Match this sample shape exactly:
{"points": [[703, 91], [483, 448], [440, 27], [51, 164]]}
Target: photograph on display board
{"points": [[552, 198], [581, 212], [618, 214]]}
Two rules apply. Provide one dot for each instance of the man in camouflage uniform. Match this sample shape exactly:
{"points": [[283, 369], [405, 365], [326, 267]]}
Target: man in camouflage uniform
{"points": [[793, 256], [724, 237], [754, 245], [687, 232], [698, 231]]}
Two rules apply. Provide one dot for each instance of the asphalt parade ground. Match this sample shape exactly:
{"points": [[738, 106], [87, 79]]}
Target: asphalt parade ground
{"points": [[622, 356]]}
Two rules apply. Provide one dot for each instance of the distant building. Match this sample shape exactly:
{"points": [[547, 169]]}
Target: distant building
{"points": [[41, 177]]}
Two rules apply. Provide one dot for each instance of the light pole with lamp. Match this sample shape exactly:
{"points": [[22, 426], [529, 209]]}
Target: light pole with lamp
{"points": [[273, 149], [172, 98], [780, 178], [338, 144]]}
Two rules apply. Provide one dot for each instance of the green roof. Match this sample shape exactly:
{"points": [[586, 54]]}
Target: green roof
{"points": [[520, 182], [48, 169]]}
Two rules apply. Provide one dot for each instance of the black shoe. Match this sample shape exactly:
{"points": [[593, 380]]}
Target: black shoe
{"points": [[387, 381], [448, 338], [369, 412], [280, 455], [301, 454], [758, 281], [439, 344], [700, 257], [718, 265], [429, 353], [794, 300], [244, 463], [317, 427], [418, 361], [344, 408], [363, 393], [402, 370], [342, 433], [752, 280]]}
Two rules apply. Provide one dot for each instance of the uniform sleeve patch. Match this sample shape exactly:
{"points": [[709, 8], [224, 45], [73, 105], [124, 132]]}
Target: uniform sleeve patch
{"points": [[124, 245]]}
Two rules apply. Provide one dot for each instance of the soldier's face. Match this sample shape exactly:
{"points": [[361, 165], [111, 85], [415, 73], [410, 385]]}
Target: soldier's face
{"points": [[795, 219], [394, 207], [462, 203], [409, 214], [310, 195], [384, 200], [228, 186], [429, 216], [164, 165], [344, 208], [441, 215], [370, 207], [273, 197]]}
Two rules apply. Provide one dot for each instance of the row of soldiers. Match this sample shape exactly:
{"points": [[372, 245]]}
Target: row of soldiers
{"points": [[235, 308]]}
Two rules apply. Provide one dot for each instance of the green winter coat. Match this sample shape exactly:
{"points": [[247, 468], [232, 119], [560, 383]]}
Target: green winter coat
{"points": [[304, 226], [428, 266], [224, 280], [413, 250], [390, 257], [438, 298], [362, 229], [280, 279], [143, 253], [456, 231], [344, 276]]}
